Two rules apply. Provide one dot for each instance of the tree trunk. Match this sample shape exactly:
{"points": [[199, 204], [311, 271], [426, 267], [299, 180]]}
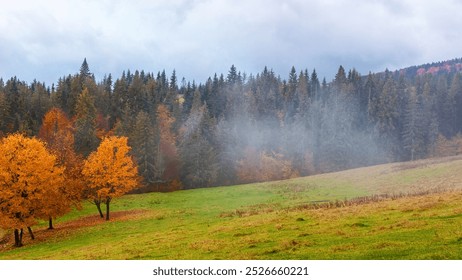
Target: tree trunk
{"points": [[17, 240], [20, 236], [50, 223], [98, 205], [108, 200], [31, 233]]}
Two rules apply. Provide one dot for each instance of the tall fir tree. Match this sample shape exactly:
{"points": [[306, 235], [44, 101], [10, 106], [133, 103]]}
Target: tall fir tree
{"points": [[198, 156], [85, 137], [414, 127], [144, 141], [455, 92], [85, 69]]}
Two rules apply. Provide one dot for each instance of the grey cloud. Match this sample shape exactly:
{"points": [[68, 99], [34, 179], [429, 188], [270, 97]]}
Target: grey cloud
{"points": [[46, 40]]}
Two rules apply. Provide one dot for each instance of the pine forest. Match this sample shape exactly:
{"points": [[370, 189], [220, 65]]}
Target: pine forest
{"points": [[236, 127]]}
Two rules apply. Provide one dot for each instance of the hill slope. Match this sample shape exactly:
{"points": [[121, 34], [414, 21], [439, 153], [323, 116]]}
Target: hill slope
{"points": [[448, 66], [274, 220]]}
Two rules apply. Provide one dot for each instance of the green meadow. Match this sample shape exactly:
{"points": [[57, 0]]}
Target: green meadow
{"points": [[286, 219]]}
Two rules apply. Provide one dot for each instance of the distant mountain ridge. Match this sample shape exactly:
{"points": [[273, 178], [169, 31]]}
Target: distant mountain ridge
{"points": [[448, 66]]}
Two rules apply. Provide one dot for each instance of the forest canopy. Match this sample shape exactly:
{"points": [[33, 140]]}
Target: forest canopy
{"points": [[238, 127]]}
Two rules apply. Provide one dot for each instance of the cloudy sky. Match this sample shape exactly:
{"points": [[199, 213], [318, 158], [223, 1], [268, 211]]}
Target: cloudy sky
{"points": [[49, 39]]}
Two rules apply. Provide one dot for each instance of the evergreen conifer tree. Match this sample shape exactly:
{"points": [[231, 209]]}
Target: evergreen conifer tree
{"points": [[85, 137]]}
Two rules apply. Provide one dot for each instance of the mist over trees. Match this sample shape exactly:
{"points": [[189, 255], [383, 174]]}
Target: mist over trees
{"points": [[237, 127]]}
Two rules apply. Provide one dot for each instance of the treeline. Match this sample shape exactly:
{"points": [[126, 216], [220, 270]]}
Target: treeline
{"points": [[238, 128]]}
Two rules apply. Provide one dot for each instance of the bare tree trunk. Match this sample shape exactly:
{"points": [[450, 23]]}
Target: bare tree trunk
{"points": [[20, 236], [98, 205], [17, 240], [108, 200], [50, 223], [31, 233]]}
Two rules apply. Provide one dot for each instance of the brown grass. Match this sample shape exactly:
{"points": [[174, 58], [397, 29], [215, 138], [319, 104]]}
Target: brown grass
{"points": [[424, 162], [251, 210], [372, 199]]}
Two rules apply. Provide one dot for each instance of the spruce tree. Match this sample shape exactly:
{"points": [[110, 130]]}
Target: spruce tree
{"points": [[4, 112], [414, 128], [85, 69], [232, 77], [445, 105], [85, 137], [315, 86], [144, 141], [198, 155], [455, 92]]}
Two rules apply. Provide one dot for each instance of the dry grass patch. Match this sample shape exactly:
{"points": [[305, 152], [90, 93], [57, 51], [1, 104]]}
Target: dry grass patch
{"points": [[66, 229]]}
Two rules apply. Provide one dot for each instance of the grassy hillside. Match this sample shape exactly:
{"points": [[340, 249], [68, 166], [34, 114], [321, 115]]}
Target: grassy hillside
{"points": [[272, 220]]}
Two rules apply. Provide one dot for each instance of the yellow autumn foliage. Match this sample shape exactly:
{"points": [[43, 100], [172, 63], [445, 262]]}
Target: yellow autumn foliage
{"points": [[29, 180], [110, 171], [56, 132]]}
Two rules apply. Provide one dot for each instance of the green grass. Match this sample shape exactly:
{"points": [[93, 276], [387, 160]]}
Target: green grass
{"points": [[265, 221]]}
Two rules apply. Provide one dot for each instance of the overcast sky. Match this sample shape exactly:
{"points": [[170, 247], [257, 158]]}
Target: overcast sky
{"points": [[49, 39]]}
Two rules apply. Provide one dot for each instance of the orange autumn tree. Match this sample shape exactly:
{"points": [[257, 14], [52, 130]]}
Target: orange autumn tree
{"points": [[56, 131], [109, 172], [29, 176]]}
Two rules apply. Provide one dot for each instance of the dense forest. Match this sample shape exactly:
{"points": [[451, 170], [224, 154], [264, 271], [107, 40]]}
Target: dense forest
{"points": [[238, 127]]}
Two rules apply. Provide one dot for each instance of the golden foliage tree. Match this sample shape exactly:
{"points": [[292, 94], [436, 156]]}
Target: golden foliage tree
{"points": [[29, 176], [57, 132], [110, 172]]}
